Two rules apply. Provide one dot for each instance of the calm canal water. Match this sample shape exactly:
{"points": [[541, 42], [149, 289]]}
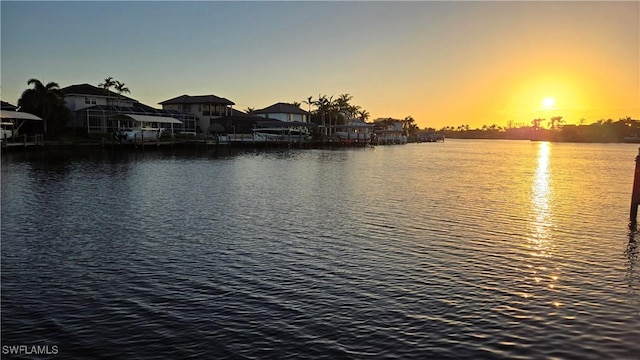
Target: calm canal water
{"points": [[463, 249]]}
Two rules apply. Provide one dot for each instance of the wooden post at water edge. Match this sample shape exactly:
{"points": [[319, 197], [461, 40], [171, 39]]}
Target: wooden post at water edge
{"points": [[635, 195]]}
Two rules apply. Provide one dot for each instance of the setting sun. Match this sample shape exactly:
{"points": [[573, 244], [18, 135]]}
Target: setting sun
{"points": [[548, 102]]}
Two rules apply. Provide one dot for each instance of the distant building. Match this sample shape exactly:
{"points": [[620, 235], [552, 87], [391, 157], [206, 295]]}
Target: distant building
{"points": [[389, 131], [283, 112], [206, 108], [92, 108]]}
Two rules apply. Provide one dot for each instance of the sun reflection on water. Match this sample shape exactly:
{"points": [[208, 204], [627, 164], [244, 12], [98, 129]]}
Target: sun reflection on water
{"points": [[541, 240], [541, 193]]}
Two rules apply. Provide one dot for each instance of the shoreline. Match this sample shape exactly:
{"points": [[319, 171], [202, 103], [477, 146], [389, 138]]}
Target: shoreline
{"points": [[208, 143]]}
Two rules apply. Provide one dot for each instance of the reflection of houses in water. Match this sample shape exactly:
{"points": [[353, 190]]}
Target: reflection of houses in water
{"points": [[94, 110]]}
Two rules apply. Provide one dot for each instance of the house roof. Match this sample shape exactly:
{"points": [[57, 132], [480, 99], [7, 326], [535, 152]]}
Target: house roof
{"points": [[281, 108], [236, 112], [198, 99], [139, 108], [277, 123], [147, 118], [6, 106], [6, 114], [87, 89]]}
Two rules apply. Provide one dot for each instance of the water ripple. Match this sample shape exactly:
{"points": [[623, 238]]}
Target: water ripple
{"points": [[457, 251]]}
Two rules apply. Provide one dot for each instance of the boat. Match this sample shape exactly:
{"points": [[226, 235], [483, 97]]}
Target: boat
{"points": [[7, 130], [141, 133], [281, 134], [134, 127], [13, 121]]}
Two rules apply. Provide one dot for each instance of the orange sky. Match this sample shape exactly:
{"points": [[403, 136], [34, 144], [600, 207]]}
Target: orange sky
{"points": [[443, 63], [585, 56]]}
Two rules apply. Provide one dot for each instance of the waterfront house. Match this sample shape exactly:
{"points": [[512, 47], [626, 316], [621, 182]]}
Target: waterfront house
{"points": [[93, 108], [389, 131], [282, 118], [283, 112], [206, 108], [354, 130]]}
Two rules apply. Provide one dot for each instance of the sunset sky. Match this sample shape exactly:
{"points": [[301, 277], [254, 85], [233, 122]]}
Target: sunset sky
{"points": [[443, 63]]}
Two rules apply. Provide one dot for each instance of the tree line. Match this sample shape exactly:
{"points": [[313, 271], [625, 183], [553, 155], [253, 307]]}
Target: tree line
{"points": [[47, 102], [624, 129], [337, 110]]}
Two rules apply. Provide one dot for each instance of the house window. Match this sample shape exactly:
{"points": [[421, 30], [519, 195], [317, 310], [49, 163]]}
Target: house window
{"points": [[87, 100]]}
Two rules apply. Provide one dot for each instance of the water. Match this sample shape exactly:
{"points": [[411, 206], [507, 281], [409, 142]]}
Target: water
{"points": [[463, 249]]}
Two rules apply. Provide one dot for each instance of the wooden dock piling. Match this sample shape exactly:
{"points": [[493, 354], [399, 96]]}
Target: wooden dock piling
{"points": [[635, 195]]}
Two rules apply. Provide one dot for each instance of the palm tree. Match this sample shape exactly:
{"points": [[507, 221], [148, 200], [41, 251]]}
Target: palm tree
{"points": [[106, 85], [408, 124], [121, 89], [296, 104], [363, 115], [536, 123], [411, 126], [556, 121], [332, 107], [249, 110], [309, 102], [46, 101], [344, 101], [323, 105], [342, 105]]}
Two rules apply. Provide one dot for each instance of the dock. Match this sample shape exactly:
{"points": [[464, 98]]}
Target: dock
{"points": [[22, 141]]}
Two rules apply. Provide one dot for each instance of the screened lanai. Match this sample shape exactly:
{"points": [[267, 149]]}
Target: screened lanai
{"points": [[103, 118]]}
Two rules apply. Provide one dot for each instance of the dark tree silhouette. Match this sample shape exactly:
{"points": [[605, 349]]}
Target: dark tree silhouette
{"points": [[121, 88], [47, 102]]}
